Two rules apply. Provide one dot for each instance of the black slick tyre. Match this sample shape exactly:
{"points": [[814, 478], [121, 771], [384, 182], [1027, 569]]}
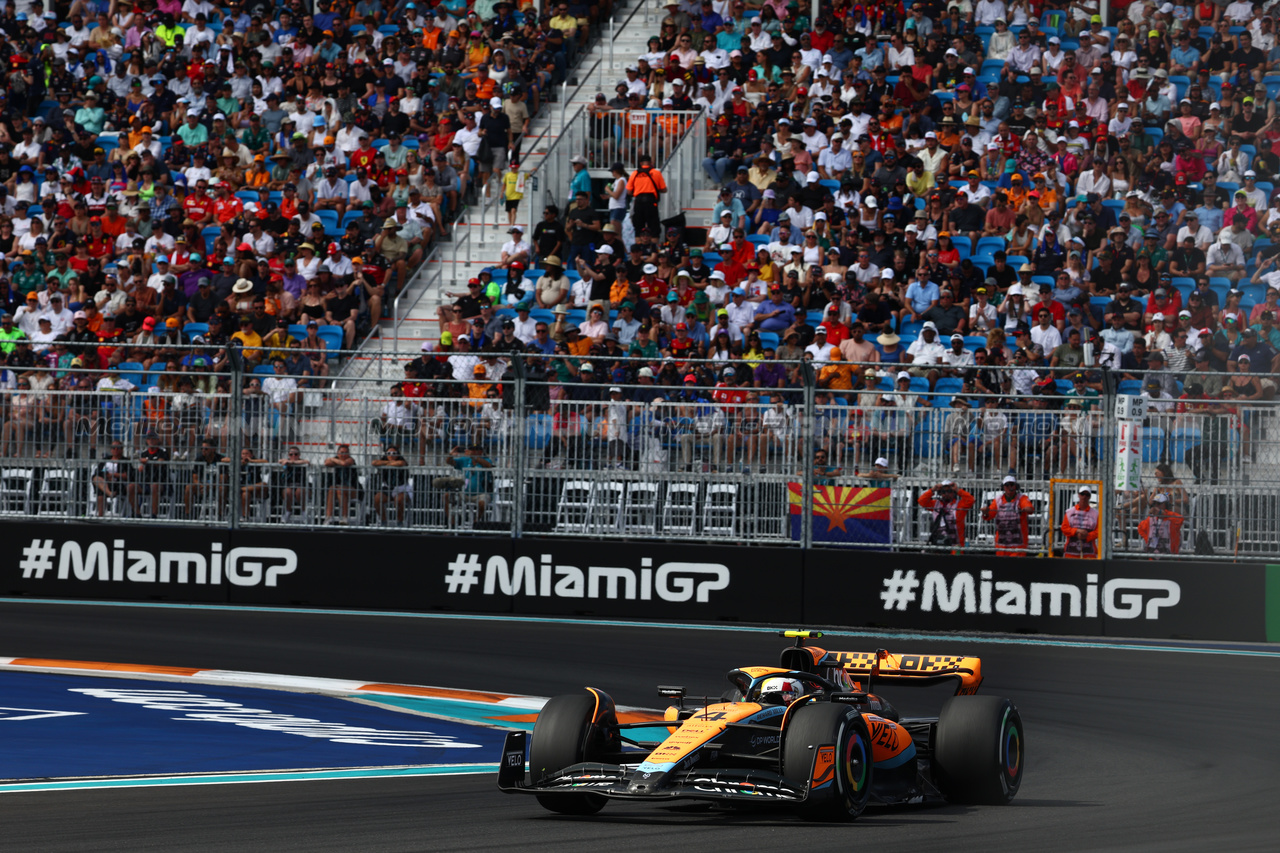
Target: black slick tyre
{"points": [[842, 791], [562, 737], [979, 751]]}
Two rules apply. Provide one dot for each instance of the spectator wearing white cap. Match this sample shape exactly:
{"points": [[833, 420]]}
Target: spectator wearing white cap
{"points": [[1256, 198], [637, 85], [1225, 257], [820, 349], [926, 353], [1052, 58]]}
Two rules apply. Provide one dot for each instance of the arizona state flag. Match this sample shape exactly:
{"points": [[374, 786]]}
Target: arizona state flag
{"points": [[846, 514]]}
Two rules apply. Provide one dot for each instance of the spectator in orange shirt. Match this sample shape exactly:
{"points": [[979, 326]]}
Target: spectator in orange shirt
{"points": [[227, 207], [113, 223], [485, 85]]}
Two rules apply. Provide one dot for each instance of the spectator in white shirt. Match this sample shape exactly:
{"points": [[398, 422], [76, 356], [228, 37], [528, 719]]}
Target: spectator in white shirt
{"points": [[987, 11], [820, 349]]}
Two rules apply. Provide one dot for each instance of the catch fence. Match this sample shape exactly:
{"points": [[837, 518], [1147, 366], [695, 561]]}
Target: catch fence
{"points": [[535, 446]]}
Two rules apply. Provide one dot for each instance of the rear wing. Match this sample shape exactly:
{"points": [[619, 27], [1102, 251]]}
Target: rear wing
{"points": [[919, 670], [869, 668]]}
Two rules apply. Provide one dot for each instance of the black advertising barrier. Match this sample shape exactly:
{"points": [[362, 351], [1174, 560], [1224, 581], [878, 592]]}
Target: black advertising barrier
{"points": [[636, 580], [559, 577], [647, 580], [1123, 598], [941, 592], [1215, 601], [114, 562], [390, 571]]}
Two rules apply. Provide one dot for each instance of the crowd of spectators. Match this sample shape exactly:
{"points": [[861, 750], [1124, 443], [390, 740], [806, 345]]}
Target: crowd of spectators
{"points": [[928, 194], [181, 178], [908, 200]]}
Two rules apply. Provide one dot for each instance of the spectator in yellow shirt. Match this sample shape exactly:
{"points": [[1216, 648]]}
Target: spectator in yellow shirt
{"points": [[512, 191], [564, 22], [919, 181], [250, 340]]}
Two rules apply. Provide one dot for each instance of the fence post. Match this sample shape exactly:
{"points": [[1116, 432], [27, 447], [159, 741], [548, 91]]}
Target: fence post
{"points": [[236, 361], [519, 460], [810, 379], [1107, 474]]}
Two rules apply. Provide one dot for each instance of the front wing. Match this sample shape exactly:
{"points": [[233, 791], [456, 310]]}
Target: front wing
{"points": [[625, 782]]}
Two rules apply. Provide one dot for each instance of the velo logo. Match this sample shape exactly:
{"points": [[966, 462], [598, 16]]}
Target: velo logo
{"points": [[674, 582], [97, 561]]}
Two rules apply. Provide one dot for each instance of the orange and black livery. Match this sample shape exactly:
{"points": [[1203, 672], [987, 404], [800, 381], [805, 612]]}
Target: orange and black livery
{"points": [[812, 734]]}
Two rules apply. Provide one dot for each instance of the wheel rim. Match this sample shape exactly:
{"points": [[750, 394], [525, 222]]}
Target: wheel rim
{"points": [[1010, 753], [856, 765]]}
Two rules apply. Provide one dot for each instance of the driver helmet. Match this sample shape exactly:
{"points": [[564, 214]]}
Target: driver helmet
{"points": [[780, 691]]}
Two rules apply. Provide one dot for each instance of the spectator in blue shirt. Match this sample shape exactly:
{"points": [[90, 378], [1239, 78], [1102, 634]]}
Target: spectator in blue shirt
{"points": [[872, 55], [775, 314], [1210, 214], [731, 204], [922, 295], [1185, 58], [728, 38], [710, 20]]}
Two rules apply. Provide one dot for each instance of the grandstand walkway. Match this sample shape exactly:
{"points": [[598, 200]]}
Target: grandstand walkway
{"points": [[477, 240]]}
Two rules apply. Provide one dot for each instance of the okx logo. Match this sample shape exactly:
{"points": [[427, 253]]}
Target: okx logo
{"points": [[1119, 598], [675, 582], [72, 560]]}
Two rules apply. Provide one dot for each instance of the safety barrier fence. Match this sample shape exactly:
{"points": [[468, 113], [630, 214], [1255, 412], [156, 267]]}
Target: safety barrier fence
{"points": [[533, 447]]}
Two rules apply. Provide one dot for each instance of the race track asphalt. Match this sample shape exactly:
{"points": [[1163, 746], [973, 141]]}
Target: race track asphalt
{"points": [[1127, 749]]}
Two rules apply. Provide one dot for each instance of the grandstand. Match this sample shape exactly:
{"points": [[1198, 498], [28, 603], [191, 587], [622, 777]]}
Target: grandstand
{"points": [[897, 208]]}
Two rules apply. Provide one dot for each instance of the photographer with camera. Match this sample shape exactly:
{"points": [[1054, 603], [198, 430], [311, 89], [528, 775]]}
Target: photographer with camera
{"points": [[950, 506]]}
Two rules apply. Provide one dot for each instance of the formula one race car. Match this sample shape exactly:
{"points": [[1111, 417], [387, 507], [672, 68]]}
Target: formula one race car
{"points": [[810, 734]]}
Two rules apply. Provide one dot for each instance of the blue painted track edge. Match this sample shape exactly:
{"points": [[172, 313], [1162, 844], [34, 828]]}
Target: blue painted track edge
{"points": [[249, 778]]}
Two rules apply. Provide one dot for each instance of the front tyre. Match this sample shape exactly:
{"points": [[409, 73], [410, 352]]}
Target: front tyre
{"points": [[564, 735], [979, 751], [842, 788]]}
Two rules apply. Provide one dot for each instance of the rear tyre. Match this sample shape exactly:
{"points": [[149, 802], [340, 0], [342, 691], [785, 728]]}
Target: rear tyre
{"points": [[842, 792], [564, 735], [979, 751]]}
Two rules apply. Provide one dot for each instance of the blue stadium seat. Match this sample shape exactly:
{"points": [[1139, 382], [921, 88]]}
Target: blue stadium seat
{"points": [[949, 385], [1132, 387], [330, 220], [332, 336], [1153, 449], [990, 245], [134, 372]]}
